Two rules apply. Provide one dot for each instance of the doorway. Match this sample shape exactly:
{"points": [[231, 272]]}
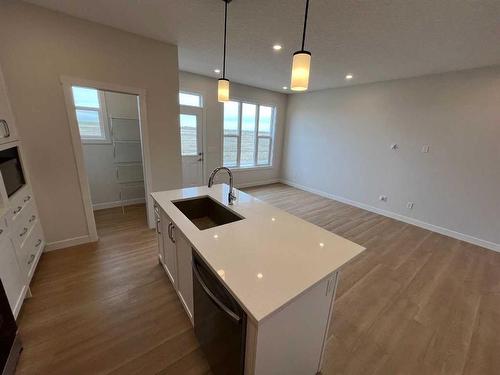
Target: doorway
{"points": [[191, 123], [109, 132]]}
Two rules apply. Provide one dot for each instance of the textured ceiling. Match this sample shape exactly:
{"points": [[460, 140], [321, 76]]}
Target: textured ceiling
{"points": [[375, 40]]}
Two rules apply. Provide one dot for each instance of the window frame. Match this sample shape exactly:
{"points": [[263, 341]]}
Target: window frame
{"points": [[271, 137], [190, 93], [103, 117]]}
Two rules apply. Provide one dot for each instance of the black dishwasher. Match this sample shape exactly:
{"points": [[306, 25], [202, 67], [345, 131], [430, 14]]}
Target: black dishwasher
{"points": [[219, 322]]}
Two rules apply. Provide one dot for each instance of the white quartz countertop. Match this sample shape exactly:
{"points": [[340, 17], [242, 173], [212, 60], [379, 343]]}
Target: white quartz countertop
{"points": [[268, 258]]}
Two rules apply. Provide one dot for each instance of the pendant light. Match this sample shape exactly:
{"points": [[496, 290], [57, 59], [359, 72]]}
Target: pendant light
{"points": [[223, 83], [301, 63]]}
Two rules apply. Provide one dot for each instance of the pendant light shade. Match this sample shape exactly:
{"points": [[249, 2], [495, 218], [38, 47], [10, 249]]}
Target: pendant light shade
{"points": [[300, 70], [223, 83], [223, 90], [301, 63]]}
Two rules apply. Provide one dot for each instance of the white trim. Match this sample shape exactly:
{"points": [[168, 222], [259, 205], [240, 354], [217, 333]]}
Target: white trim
{"points": [[422, 224], [67, 82], [62, 244], [250, 169], [271, 137], [102, 206], [20, 300], [258, 183]]}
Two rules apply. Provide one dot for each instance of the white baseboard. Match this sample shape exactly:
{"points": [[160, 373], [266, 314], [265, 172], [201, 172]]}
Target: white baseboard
{"points": [[56, 245], [258, 183], [434, 228], [102, 206]]}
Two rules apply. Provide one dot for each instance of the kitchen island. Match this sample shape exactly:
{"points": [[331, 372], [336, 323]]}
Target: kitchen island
{"points": [[282, 272]]}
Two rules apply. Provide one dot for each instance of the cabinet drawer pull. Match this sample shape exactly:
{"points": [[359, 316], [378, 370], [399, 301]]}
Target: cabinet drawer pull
{"points": [[32, 218], [17, 210], [25, 230], [32, 258], [171, 232], [27, 198], [38, 243]]}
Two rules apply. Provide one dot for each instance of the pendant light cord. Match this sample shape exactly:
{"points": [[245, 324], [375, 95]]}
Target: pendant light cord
{"points": [[225, 29], [305, 25]]}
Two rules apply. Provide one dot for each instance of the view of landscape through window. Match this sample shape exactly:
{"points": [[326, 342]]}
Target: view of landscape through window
{"points": [[248, 139], [188, 135], [247, 143], [87, 107]]}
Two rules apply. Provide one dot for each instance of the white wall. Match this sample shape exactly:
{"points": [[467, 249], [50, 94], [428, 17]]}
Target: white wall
{"points": [[99, 160], [338, 142], [38, 47], [213, 117]]}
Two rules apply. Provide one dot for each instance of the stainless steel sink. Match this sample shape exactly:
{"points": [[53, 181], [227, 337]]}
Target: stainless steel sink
{"points": [[205, 212]]}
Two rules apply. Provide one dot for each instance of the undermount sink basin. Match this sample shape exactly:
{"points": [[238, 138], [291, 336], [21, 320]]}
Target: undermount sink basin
{"points": [[205, 212]]}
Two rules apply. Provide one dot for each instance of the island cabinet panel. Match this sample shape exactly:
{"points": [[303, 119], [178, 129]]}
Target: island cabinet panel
{"points": [[159, 234], [184, 274], [10, 273], [292, 340], [169, 247]]}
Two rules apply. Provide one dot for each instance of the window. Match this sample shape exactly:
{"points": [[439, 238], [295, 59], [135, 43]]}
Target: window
{"points": [[90, 114], [248, 134], [192, 100], [189, 134]]}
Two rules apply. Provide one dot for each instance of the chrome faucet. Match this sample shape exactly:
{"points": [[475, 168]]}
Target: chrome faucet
{"points": [[230, 197]]}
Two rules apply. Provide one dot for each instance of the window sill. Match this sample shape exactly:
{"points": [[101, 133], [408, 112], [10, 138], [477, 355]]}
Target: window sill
{"points": [[252, 168], [96, 141]]}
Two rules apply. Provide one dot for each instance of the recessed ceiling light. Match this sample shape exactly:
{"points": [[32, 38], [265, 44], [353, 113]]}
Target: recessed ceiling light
{"points": [[348, 76], [217, 71], [277, 47], [285, 88], [260, 276]]}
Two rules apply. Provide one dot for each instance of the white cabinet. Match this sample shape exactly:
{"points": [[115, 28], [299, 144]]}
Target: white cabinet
{"points": [[8, 132], [25, 231], [159, 235], [184, 274], [292, 341], [174, 253], [10, 273], [169, 248]]}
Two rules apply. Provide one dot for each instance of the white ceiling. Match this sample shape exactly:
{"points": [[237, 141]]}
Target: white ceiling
{"points": [[375, 40]]}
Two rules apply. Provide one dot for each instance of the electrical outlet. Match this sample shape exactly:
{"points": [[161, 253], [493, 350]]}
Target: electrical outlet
{"points": [[382, 198], [410, 205], [425, 149], [394, 146]]}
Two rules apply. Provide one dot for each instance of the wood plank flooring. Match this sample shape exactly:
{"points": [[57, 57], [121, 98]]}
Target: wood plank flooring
{"points": [[415, 302]]}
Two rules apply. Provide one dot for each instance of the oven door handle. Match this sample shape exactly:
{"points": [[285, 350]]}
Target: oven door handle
{"points": [[214, 299]]}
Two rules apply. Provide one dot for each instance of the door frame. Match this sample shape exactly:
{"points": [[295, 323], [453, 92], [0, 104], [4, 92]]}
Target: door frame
{"points": [[201, 112], [66, 83]]}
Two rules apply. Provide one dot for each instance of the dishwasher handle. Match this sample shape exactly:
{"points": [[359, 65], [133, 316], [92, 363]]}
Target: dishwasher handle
{"points": [[214, 299]]}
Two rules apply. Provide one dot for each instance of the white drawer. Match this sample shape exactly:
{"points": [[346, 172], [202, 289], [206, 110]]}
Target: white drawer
{"points": [[19, 201], [21, 231], [33, 247], [28, 210]]}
